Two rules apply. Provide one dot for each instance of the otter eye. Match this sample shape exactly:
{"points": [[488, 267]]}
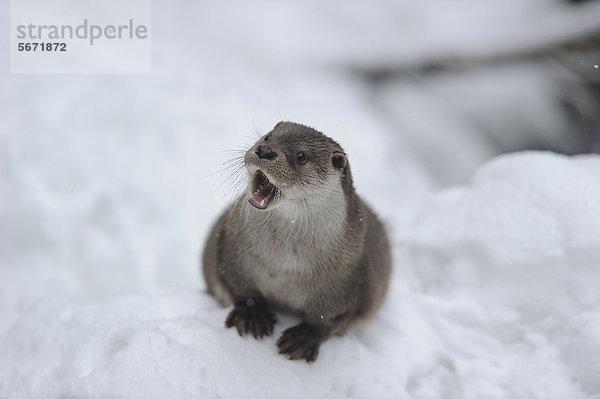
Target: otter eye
{"points": [[301, 158], [267, 138]]}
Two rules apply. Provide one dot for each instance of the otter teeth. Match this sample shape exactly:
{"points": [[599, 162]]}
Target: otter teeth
{"points": [[263, 193]]}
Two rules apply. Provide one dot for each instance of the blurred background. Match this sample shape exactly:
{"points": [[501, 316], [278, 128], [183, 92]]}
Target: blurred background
{"points": [[109, 183]]}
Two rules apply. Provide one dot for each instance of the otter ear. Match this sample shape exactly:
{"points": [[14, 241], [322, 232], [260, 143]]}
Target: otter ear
{"points": [[338, 160]]}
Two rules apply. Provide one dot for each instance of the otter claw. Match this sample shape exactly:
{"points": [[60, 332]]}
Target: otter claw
{"points": [[301, 342], [252, 315]]}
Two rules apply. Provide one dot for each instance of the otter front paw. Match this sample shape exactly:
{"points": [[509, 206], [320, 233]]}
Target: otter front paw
{"points": [[301, 342], [252, 314]]}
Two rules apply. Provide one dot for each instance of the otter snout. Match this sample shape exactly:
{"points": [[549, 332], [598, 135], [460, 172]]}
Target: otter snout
{"points": [[265, 152]]}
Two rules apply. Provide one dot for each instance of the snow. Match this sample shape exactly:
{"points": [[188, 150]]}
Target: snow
{"points": [[509, 269], [110, 184], [494, 295]]}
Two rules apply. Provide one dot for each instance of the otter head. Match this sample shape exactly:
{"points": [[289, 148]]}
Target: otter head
{"points": [[294, 163]]}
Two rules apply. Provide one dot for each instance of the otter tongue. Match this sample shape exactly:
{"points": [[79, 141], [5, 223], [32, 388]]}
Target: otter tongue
{"points": [[259, 199]]}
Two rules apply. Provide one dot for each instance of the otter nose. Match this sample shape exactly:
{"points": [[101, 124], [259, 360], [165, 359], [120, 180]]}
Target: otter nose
{"points": [[265, 152]]}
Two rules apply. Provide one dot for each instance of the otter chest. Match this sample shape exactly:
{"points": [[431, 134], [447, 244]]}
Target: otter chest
{"points": [[286, 254], [284, 278]]}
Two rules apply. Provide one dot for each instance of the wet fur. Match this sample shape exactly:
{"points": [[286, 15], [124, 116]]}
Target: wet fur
{"points": [[318, 250]]}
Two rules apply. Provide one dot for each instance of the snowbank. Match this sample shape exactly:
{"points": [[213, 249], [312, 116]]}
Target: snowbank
{"points": [[494, 295], [507, 272]]}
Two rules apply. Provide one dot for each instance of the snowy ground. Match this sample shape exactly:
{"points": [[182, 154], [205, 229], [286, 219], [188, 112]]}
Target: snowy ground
{"points": [[110, 184]]}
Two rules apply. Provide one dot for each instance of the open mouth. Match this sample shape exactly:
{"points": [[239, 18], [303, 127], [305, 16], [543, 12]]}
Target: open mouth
{"points": [[263, 191]]}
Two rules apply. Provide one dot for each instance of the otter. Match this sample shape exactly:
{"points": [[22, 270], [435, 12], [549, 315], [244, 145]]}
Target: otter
{"points": [[299, 240]]}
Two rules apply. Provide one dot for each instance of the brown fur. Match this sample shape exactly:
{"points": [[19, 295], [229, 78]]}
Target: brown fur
{"points": [[316, 250]]}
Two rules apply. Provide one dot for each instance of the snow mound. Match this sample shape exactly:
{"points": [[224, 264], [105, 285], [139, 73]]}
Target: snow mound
{"points": [[510, 268], [494, 295]]}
